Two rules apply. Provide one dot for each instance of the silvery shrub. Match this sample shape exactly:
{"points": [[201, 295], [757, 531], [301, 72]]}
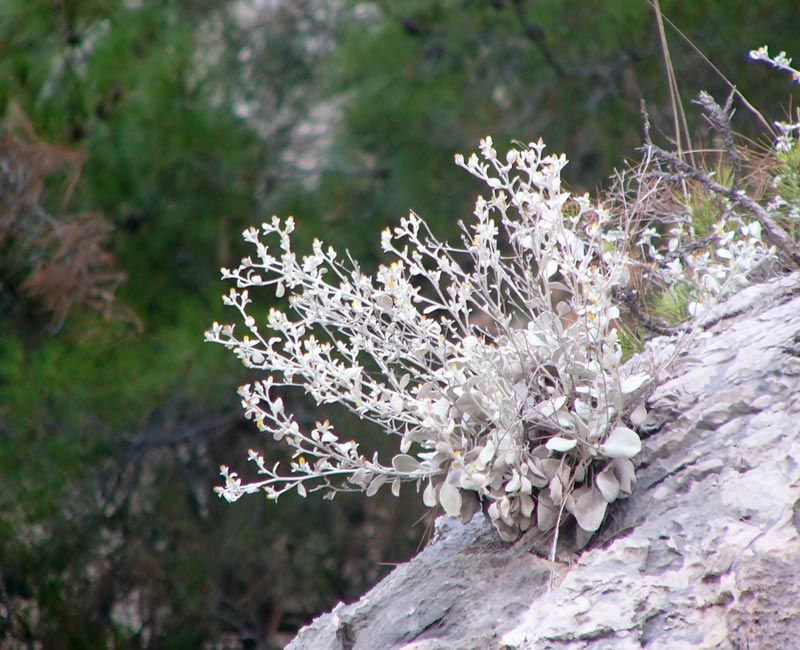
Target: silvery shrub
{"points": [[495, 362]]}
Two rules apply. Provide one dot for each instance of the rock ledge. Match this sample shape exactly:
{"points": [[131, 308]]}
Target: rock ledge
{"points": [[705, 554]]}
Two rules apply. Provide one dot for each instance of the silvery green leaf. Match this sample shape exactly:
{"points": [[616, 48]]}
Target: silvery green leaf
{"points": [[622, 442], [429, 390], [551, 268], [582, 409], [429, 495], [569, 498], [525, 485], [536, 474], [639, 415], [540, 452], [450, 498], [534, 341], [486, 455], [467, 405], [590, 510], [384, 302], [396, 487], [405, 443], [405, 464], [504, 508], [556, 490], [396, 402], [626, 475], [360, 477], [557, 443], [546, 512], [301, 490], [474, 481], [608, 484], [440, 407], [633, 383], [514, 484], [376, 484], [551, 466], [549, 407], [526, 504], [404, 380]]}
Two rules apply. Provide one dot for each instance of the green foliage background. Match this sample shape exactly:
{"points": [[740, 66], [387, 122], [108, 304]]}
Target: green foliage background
{"points": [[198, 118]]}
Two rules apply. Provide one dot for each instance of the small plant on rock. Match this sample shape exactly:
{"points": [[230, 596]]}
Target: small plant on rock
{"points": [[495, 363]]}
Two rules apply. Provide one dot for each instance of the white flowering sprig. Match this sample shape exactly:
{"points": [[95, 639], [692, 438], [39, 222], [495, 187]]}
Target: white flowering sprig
{"points": [[781, 61], [495, 362], [712, 271], [787, 131]]}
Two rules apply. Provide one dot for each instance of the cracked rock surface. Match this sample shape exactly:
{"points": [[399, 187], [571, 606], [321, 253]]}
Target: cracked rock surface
{"points": [[705, 554]]}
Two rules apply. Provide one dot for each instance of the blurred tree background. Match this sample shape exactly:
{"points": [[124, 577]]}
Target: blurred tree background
{"points": [[138, 139]]}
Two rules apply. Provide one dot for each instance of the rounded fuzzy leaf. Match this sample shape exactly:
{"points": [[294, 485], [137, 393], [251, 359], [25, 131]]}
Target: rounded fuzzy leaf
{"points": [[405, 464], [546, 513], [405, 443], [384, 302], [396, 487], [626, 475], [550, 269], [536, 474], [376, 484], [608, 484], [515, 483], [622, 442], [633, 383], [360, 478], [429, 495], [590, 510], [639, 415], [550, 407], [474, 481], [450, 498], [557, 443], [486, 456], [526, 505]]}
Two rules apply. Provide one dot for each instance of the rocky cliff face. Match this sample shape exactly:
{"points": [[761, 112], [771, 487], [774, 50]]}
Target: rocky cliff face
{"points": [[705, 554]]}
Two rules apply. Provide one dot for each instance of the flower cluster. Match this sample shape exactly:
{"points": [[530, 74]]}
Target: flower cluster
{"points": [[495, 362], [787, 131], [735, 248]]}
